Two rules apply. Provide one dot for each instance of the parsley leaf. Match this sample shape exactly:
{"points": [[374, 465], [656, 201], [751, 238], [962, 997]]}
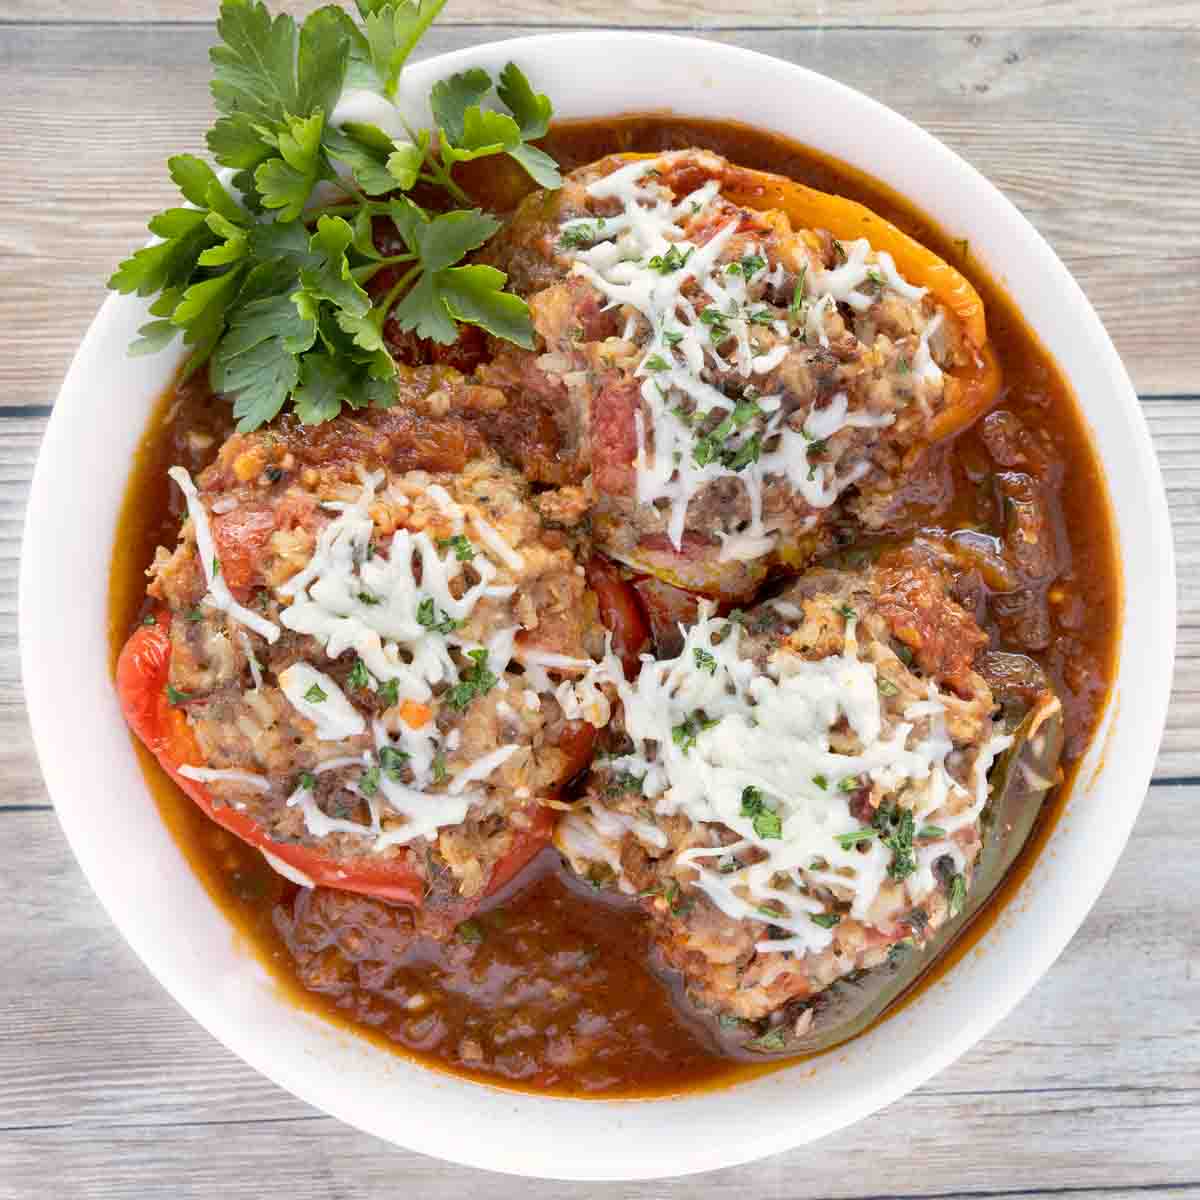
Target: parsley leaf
{"points": [[470, 131], [958, 895], [476, 680], [684, 735], [896, 827], [463, 550], [271, 293], [393, 761], [392, 32], [428, 620], [766, 821]]}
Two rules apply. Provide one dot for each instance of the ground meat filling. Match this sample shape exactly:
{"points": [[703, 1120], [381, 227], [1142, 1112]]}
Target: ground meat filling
{"points": [[368, 621], [733, 381], [800, 789]]}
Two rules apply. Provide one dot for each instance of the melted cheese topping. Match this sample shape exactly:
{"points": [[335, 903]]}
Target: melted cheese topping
{"points": [[315, 696], [350, 599], [682, 347], [711, 730], [211, 775], [219, 595]]}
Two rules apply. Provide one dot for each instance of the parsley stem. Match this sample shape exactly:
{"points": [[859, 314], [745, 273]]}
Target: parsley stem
{"points": [[439, 176], [345, 206], [396, 290]]}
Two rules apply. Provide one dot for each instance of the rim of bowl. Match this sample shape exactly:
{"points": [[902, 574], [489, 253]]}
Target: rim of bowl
{"points": [[583, 1150]]}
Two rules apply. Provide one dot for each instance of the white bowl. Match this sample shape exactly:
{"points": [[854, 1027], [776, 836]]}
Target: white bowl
{"points": [[141, 876]]}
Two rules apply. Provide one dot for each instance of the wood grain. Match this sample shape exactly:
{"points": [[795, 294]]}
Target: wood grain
{"points": [[1084, 113], [1105, 166], [1174, 426], [1095, 1077], [1064, 14]]}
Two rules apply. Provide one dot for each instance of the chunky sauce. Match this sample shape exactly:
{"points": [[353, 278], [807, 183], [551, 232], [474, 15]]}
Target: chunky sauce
{"points": [[553, 989]]}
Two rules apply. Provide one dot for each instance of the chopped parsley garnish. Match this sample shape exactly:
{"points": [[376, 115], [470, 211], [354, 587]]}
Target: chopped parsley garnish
{"points": [[714, 447], [315, 695], [931, 832], [742, 456], [796, 308], [194, 614], [656, 362], [717, 322], [368, 782], [267, 289], [684, 735], [705, 661], [673, 260], [393, 761], [576, 237], [622, 782], [369, 598], [672, 337], [886, 687], [769, 1042], [851, 783], [389, 692], [476, 680], [839, 252], [216, 566], [896, 827], [428, 619], [958, 894], [360, 677], [440, 773], [847, 612], [308, 780], [905, 655], [821, 781], [825, 920], [848, 841], [463, 550], [175, 696], [747, 266], [766, 821], [675, 899], [149, 619], [470, 932], [902, 365]]}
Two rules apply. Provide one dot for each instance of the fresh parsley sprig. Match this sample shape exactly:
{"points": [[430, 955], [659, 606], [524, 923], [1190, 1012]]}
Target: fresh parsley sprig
{"points": [[265, 271]]}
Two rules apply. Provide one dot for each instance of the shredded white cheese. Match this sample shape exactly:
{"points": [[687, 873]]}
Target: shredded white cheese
{"points": [[765, 738], [219, 594], [314, 695], [212, 775], [683, 349]]}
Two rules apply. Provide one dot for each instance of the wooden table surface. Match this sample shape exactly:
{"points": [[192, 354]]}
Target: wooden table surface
{"points": [[1085, 112]]}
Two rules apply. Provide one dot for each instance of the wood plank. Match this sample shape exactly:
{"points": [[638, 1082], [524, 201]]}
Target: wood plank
{"points": [[1061, 14], [104, 1076], [1111, 183], [1174, 426]]}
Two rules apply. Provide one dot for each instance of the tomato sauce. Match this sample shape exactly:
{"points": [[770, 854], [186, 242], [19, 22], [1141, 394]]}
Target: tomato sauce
{"points": [[552, 987]]}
